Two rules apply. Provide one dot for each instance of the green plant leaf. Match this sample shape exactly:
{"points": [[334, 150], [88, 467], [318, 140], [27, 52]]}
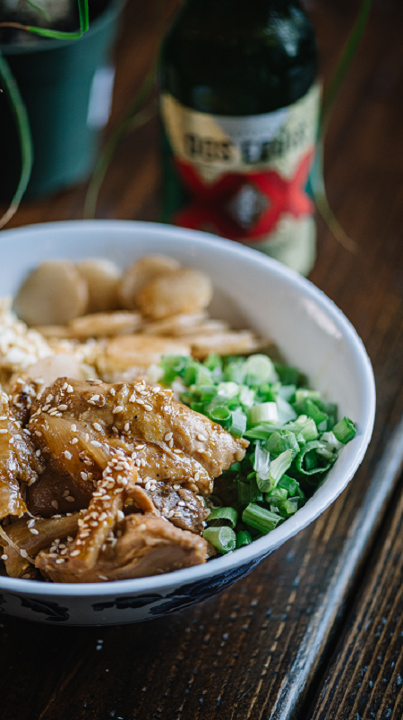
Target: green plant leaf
{"points": [[83, 13], [40, 9], [316, 174], [136, 116], [24, 133], [18, 106]]}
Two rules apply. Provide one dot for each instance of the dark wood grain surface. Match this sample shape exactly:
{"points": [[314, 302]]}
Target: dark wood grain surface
{"points": [[316, 630]]}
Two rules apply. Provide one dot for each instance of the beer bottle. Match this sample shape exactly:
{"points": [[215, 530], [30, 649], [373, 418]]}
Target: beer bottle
{"points": [[239, 107]]}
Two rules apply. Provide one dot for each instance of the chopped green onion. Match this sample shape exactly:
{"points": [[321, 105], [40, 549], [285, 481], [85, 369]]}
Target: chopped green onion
{"points": [[246, 396], [282, 440], [331, 441], [285, 412], [261, 461], [224, 513], [222, 538], [344, 430], [213, 363], [289, 375], [238, 423], [307, 427], [261, 432], [277, 492], [280, 465], [303, 393], [288, 507], [289, 484], [309, 408], [265, 412], [243, 537], [220, 413], [260, 518], [305, 462], [259, 369]]}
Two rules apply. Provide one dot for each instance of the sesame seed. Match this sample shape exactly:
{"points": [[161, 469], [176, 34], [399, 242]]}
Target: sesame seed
{"points": [[59, 561], [112, 391], [74, 428], [38, 434], [74, 441], [117, 409], [3, 432], [84, 476], [33, 531], [140, 447], [102, 577], [54, 504], [201, 437], [148, 407], [66, 492], [86, 437], [127, 427], [121, 515], [97, 426], [70, 498], [74, 553], [178, 452], [62, 407], [23, 553], [64, 386], [95, 443], [67, 455], [49, 398], [132, 398], [4, 557]]}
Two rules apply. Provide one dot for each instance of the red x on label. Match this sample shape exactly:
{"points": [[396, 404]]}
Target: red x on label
{"points": [[210, 205]]}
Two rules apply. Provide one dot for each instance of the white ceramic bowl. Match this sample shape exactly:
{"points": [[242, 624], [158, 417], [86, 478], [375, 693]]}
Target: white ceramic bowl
{"points": [[251, 290]]}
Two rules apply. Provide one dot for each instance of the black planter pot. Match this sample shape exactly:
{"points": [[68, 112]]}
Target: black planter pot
{"points": [[67, 89]]}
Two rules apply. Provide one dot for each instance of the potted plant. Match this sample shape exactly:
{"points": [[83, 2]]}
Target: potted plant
{"points": [[55, 66]]}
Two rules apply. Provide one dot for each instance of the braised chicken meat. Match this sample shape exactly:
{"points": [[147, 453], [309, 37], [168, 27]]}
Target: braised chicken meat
{"points": [[102, 482]]}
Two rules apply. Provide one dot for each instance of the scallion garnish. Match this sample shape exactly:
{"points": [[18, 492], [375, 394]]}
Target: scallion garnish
{"points": [[221, 538], [293, 433], [344, 430], [224, 513], [243, 537], [260, 518]]}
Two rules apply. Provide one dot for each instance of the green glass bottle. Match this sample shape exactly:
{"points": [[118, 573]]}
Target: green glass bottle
{"points": [[239, 106]]}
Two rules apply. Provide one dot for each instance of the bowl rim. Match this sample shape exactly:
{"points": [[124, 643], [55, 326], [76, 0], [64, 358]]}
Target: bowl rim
{"points": [[262, 547]]}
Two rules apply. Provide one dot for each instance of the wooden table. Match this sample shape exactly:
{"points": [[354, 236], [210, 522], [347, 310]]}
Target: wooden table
{"points": [[316, 631]]}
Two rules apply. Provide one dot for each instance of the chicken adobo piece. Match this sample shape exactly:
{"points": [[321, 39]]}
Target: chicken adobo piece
{"points": [[103, 482]]}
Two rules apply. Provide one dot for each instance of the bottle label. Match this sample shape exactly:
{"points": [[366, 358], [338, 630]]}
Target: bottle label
{"points": [[246, 175]]}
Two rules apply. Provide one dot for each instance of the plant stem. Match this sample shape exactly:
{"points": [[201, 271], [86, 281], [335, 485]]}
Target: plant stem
{"points": [[316, 174], [25, 138]]}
